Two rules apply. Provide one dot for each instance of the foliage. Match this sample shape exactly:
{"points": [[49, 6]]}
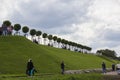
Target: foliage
{"points": [[38, 33], [107, 52], [7, 23], [25, 29], [17, 27], [50, 37], [32, 32], [58, 40], [54, 38], [44, 35]]}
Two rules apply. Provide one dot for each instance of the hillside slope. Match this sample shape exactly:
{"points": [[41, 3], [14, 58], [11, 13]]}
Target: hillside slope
{"points": [[16, 50]]}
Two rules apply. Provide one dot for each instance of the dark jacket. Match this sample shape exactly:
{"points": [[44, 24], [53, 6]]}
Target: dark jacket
{"points": [[30, 65], [62, 65], [103, 66]]}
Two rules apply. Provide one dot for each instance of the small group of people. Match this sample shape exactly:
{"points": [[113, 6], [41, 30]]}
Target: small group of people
{"points": [[31, 69], [6, 30], [104, 67]]}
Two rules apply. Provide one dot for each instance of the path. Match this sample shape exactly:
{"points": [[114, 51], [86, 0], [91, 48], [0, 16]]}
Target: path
{"points": [[111, 73], [99, 70]]}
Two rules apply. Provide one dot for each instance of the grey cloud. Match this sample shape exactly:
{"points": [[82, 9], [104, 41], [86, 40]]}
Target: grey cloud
{"points": [[108, 38], [57, 14], [112, 35]]}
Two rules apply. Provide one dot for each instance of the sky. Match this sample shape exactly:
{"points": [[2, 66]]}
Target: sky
{"points": [[95, 23]]}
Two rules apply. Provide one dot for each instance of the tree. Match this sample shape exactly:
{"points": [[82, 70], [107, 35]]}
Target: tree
{"points": [[50, 39], [73, 46], [63, 43], [54, 38], [80, 47], [38, 33], [7, 22], [17, 27], [44, 36], [70, 45], [32, 33], [25, 30], [89, 49], [58, 40], [66, 43], [107, 52], [76, 47]]}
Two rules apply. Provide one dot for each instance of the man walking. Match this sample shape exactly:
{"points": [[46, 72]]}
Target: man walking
{"points": [[104, 67], [62, 67], [30, 68]]}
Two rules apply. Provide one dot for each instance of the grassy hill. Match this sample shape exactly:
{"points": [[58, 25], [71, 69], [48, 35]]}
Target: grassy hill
{"points": [[16, 50]]}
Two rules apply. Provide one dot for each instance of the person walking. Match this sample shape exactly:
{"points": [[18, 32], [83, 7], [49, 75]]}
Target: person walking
{"points": [[30, 68], [62, 67], [104, 67], [113, 67]]}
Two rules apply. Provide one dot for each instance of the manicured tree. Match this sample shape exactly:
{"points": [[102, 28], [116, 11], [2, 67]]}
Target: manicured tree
{"points": [[7, 22], [25, 30], [38, 33], [66, 43], [88, 49], [17, 27], [76, 47], [73, 44], [55, 39], [70, 44], [80, 47], [63, 43], [50, 39], [83, 48], [44, 35], [58, 41], [32, 33]]}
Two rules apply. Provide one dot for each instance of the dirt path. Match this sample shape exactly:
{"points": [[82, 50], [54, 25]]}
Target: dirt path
{"points": [[111, 73]]}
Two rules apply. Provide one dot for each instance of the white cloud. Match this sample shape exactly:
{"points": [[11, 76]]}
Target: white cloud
{"points": [[105, 10]]}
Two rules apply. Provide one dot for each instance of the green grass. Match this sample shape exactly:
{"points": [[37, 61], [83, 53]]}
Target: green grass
{"points": [[58, 77], [15, 52]]}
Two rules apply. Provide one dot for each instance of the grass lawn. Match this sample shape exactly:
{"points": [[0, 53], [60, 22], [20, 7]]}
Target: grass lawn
{"points": [[16, 50], [57, 77]]}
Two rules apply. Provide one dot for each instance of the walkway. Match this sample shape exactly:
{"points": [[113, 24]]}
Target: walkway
{"points": [[111, 73]]}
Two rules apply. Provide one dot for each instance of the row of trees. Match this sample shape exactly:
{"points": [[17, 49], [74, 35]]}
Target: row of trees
{"points": [[52, 40]]}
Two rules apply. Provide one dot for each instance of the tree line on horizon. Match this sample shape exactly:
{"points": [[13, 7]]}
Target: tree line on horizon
{"points": [[52, 40]]}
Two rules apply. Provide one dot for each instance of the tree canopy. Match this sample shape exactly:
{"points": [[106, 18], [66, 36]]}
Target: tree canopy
{"points": [[7, 23], [107, 52]]}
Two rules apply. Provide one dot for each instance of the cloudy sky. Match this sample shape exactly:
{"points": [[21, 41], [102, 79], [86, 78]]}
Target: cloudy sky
{"points": [[95, 23]]}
